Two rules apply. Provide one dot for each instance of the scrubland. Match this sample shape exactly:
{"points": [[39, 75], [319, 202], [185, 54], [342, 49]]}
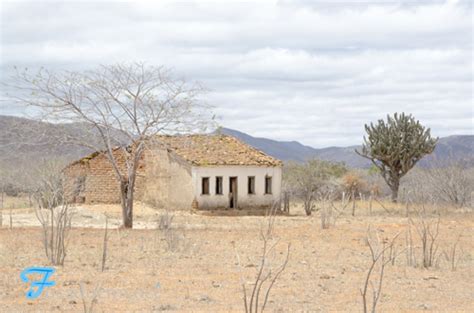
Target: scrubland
{"points": [[183, 261]]}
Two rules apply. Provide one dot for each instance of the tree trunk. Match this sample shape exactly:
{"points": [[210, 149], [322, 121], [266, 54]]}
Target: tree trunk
{"points": [[394, 187], [127, 204], [128, 219], [286, 202], [307, 207]]}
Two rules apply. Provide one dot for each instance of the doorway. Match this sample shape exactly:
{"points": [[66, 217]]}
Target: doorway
{"points": [[233, 192]]}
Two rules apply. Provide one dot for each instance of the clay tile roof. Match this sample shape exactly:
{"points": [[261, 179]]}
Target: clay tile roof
{"points": [[217, 149]]}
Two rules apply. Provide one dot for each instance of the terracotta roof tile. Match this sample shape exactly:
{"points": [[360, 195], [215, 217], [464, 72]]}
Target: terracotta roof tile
{"points": [[209, 150]]}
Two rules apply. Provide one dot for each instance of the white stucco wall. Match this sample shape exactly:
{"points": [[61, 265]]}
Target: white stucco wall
{"points": [[242, 173]]}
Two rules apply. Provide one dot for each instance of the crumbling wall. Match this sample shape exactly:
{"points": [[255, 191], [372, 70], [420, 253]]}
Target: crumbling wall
{"points": [[163, 180], [168, 181], [100, 183]]}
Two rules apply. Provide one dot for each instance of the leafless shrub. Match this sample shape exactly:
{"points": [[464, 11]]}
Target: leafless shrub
{"points": [[444, 183], [428, 232], [329, 211], [56, 223], [88, 304], [52, 211], [454, 254], [378, 250], [165, 221], [410, 248], [173, 239], [327, 216], [256, 300], [173, 236], [422, 244]]}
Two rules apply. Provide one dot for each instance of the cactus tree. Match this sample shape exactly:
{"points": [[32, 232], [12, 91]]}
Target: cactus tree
{"points": [[395, 146]]}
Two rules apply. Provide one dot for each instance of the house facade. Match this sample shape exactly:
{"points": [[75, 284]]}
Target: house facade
{"points": [[184, 171]]}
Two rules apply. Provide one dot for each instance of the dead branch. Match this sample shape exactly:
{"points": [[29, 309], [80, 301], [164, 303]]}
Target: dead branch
{"points": [[104, 249], [88, 305], [378, 250], [266, 274]]}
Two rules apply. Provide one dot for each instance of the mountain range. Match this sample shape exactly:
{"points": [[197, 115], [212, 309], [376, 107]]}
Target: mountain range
{"points": [[451, 148], [24, 141]]}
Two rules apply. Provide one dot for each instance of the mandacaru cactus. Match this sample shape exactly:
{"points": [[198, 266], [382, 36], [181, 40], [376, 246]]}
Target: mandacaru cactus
{"points": [[395, 146]]}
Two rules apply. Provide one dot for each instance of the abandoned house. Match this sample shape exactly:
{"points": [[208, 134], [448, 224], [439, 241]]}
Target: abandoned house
{"points": [[184, 171]]}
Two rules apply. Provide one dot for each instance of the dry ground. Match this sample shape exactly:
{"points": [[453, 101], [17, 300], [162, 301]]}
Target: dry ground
{"points": [[199, 274]]}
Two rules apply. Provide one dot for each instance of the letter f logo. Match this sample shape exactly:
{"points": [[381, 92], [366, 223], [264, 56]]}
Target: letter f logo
{"points": [[40, 284]]}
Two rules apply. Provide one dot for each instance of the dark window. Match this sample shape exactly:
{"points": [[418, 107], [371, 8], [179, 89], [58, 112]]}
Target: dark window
{"points": [[205, 185], [79, 188], [219, 185], [268, 185], [79, 185], [251, 185]]}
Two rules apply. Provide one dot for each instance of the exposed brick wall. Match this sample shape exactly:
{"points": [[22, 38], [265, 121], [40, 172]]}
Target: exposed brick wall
{"points": [[101, 184], [75, 182]]}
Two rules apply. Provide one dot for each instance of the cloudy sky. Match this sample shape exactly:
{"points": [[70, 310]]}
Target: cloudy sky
{"points": [[312, 71]]}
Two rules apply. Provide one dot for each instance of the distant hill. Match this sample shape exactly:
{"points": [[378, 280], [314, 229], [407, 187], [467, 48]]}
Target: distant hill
{"points": [[283, 150], [457, 147], [24, 142]]}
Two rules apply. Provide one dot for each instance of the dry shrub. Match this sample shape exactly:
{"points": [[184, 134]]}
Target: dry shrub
{"points": [[381, 253], [454, 254], [52, 211], [423, 247], [427, 233], [165, 221], [256, 300], [448, 183], [354, 184], [88, 301], [174, 236], [328, 209]]}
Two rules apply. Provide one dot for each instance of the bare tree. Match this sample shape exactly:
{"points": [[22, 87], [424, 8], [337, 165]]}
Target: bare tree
{"points": [[124, 104], [256, 300]]}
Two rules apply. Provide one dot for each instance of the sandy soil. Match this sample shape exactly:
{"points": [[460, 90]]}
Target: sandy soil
{"points": [[199, 272]]}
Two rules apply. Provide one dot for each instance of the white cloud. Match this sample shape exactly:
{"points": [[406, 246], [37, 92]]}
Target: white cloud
{"points": [[313, 71]]}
